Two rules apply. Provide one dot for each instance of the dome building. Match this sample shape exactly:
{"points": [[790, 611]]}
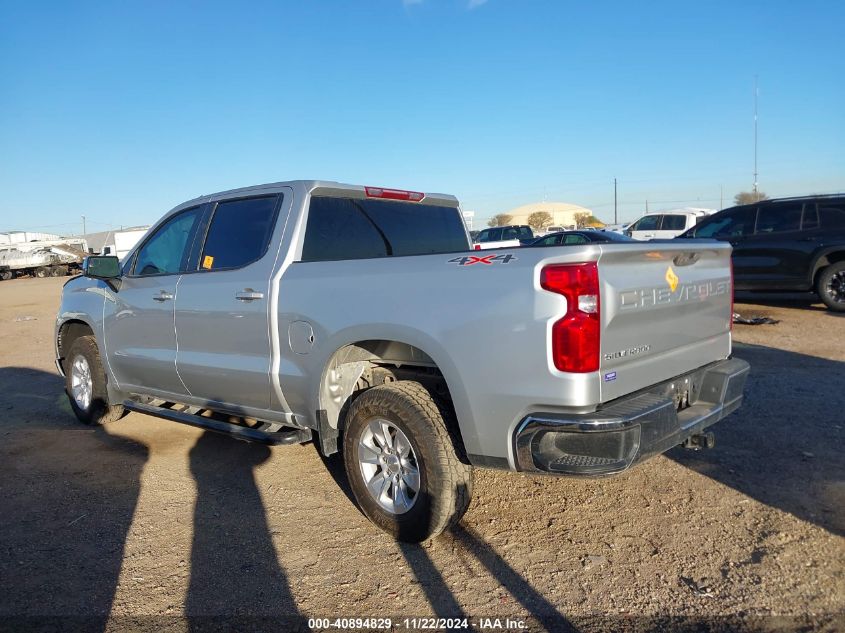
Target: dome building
{"points": [[563, 213]]}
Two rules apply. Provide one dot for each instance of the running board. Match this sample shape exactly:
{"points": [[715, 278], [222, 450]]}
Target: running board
{"points": [[240, 432]]}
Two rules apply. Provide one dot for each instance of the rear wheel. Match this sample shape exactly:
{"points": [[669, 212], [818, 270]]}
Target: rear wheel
{"points": [[58, 271], [85, 384], [831, 286], [42, 272], [6, 275], [401, 462]]}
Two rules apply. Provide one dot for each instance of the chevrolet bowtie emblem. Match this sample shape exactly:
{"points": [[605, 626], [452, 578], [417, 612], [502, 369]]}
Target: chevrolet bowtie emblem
{"points": [[671, 279]]}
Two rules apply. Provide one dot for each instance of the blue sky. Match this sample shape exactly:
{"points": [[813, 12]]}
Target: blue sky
{"points": [[121, 110]]}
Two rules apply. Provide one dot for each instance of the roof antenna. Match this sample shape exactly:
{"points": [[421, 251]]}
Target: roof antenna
{"points": [[756, 95]]}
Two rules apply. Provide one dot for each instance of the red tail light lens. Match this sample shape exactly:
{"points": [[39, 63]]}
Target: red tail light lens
{"points": [[477, 247], [394, 194], [575, 337]]}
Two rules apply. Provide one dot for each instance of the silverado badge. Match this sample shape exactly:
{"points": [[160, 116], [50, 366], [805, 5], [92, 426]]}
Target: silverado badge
{"points": [[671, 279]]}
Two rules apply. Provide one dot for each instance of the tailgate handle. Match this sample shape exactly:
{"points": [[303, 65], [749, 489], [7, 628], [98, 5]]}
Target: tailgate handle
{"points": [[686, 259]]}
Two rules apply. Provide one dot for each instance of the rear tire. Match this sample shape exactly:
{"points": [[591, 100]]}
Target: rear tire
{"points": [[414, 449], [6, 275], [58, 271], [831, 287], [42, 272], [85, 384]]}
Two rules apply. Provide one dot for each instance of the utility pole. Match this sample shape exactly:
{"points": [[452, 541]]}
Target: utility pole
{"points": [[756, 95], [615, 217], [84, 232]]}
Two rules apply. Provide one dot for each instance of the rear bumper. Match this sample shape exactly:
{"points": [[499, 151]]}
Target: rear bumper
{"points": [[633, 428]]}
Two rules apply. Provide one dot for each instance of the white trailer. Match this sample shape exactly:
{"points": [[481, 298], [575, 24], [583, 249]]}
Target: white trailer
{"points": [[41, 258]]}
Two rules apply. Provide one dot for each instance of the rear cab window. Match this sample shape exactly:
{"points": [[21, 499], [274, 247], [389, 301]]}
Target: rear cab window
{"points": [[363, 228]]}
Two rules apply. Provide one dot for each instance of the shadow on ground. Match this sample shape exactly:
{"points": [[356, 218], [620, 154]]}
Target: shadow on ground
{"points": [[799, 300], [784, 446], [68, 495]]}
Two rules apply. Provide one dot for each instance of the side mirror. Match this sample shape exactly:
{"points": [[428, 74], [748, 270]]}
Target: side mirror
{"points": [[101, 267]]}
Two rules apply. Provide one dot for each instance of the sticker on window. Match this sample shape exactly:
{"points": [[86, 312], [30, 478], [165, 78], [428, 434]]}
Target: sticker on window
{"points": [[207, 262]]}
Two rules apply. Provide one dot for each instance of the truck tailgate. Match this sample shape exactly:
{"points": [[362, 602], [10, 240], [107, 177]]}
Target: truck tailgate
{"points": [[666, 310]]}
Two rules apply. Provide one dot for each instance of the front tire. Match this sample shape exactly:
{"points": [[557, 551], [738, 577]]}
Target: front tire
{"points": [[831, 287], [85, 384], [401, 462]]}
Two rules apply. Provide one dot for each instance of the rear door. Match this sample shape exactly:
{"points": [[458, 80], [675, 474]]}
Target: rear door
{"points": [[775, 255], [222, 307], [671, 225], [139, 335]]}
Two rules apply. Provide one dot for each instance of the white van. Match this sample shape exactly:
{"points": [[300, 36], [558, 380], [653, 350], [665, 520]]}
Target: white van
{"points": [[666, 224]]}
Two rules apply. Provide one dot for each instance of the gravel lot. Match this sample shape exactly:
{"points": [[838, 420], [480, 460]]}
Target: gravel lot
{"points": [[141, 523]]}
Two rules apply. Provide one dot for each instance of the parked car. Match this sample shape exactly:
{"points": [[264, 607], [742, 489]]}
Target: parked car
{"points": [[359, 318], [788, 244], [503, 236], [566, 238], [665, 224]]}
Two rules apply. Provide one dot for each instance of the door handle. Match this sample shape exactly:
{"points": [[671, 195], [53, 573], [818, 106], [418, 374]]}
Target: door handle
{"points": [[248, 295], [163, 296]]}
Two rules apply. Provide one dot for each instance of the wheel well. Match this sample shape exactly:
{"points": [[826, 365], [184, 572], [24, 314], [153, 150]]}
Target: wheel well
{"points": [[360, 366], [824, 262], [68, 333]]}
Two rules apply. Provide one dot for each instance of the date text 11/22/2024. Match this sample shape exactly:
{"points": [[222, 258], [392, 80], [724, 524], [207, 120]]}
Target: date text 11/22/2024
{"points": [[417, 624]]}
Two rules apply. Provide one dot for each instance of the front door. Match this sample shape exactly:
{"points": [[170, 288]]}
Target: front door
{"points": [[222, 308], [140, 337]]}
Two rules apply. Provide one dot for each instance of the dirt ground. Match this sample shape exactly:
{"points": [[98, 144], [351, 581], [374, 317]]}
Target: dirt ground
{"points": [[144, 522]]}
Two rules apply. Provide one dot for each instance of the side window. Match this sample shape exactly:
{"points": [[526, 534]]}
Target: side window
{"points": [[166, 252], [576, 239], [810, 219], [735, 223], [240, 232], [510, 233], [496, 235], [646, 223], [674, 223], [483, 236], [832, 217], [525, 233], [778, 218]]}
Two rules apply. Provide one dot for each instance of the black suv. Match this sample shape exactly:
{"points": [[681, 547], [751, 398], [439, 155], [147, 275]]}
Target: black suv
{"points": [[785, 244]]}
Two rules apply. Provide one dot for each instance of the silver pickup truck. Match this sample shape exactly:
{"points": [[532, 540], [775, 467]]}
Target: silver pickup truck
{"points": [[360, 318]]}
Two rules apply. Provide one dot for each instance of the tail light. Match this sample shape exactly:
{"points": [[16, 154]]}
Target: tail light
{"points": [[731, 315], [477, 247], [394, 194], [575, 337]]}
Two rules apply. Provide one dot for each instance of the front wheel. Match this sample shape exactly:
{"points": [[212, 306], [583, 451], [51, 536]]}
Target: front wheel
{"points": [[831, 287], [86, 384], [401, 462]]}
